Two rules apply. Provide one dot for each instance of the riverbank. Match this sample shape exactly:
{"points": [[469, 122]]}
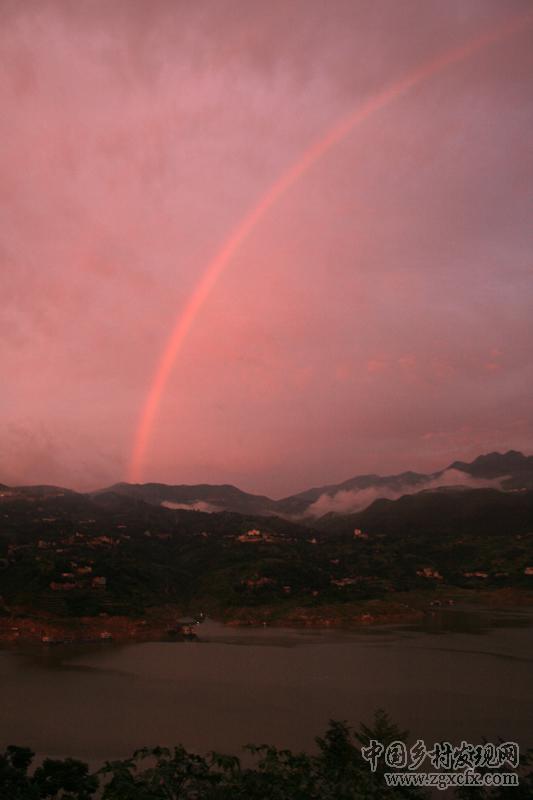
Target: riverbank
{"points": [[22, 625], [400, 608], [25, 626]]}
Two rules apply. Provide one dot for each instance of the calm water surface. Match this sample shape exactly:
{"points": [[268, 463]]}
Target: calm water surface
{"points": [[460, 674]]}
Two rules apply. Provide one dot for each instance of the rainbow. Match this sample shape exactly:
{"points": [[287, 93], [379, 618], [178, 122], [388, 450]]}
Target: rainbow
{"points": [[245, 227]]}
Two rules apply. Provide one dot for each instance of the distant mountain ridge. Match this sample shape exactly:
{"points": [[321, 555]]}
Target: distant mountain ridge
{"points": [[506, 472], [492, 465], [514, 469]]}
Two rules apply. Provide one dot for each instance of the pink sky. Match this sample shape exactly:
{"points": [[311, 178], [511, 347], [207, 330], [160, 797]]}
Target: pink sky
{"points": [[379, 316]]}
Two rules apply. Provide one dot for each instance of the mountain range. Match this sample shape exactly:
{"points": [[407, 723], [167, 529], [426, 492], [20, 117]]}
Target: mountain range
{"points": [[507, 472], [511, 471]]}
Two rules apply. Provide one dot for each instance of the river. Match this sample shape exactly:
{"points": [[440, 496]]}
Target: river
{"points": [[460, 674]]}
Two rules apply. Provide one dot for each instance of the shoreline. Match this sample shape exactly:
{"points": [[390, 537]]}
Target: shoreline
{"points": [[27, 626]]}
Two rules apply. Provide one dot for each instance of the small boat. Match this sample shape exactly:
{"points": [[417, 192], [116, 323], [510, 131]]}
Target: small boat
{"points": [[188, 633], [184, 630]]}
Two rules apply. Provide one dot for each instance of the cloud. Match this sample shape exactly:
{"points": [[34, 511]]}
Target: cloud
{"points": [[208, 508], [347, 502]]}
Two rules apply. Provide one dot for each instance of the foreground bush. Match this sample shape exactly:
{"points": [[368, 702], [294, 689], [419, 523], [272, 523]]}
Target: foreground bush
{"points": [[336, 772]]}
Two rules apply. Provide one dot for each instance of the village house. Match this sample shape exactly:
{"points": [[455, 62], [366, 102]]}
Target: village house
{"points": [[440, 603], [429, 572], [250, 536], [185, 627], [103, 540], [256, 583], [344, 581]]}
